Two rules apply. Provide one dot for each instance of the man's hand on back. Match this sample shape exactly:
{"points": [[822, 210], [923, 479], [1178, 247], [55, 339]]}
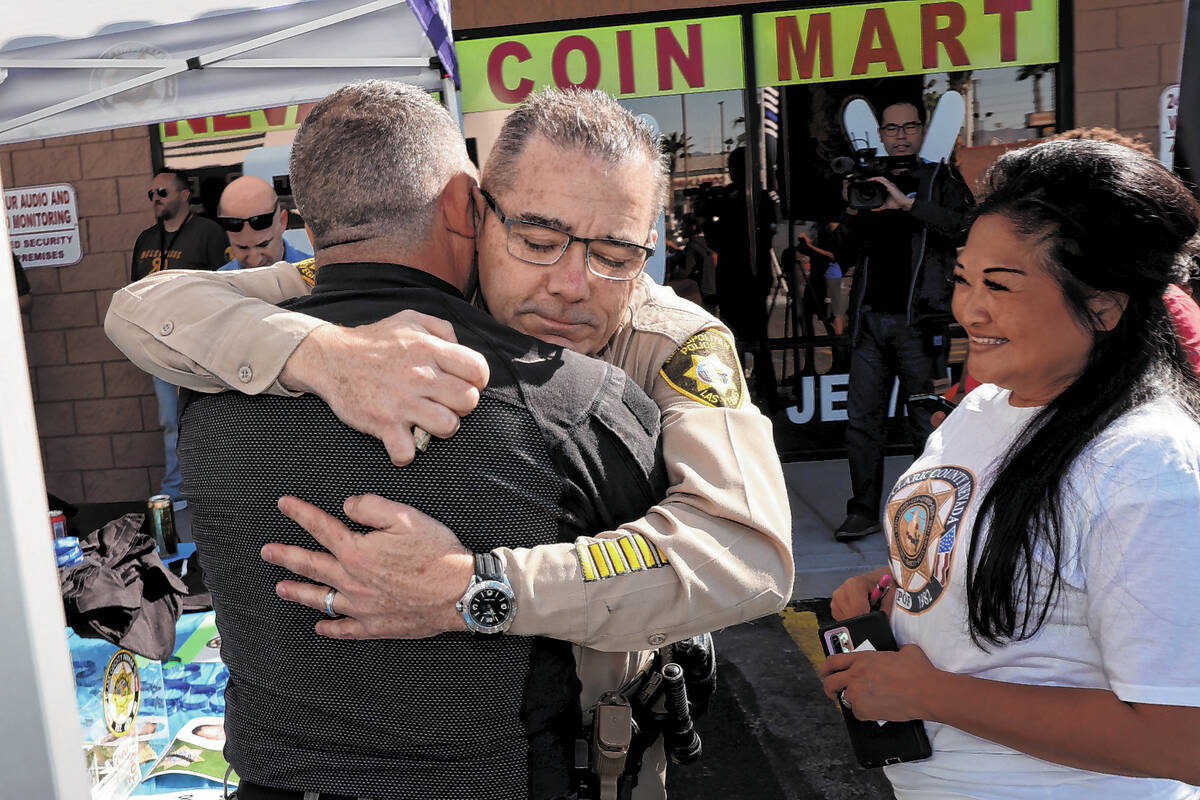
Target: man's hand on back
{"points": [[384, 378], [400, 581]]}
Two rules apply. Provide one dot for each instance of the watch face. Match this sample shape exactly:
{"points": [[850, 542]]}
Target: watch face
{"points": [[489, 607]]}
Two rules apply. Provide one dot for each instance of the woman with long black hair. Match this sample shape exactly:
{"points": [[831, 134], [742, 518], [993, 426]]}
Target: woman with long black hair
{"points": [[1045, 547]]}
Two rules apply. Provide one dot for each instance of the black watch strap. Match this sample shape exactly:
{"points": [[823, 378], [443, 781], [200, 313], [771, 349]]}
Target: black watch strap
{"points": [[489, 567]]}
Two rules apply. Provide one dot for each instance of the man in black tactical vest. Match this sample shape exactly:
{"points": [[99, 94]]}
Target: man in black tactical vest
{"points": [[560, 445]]}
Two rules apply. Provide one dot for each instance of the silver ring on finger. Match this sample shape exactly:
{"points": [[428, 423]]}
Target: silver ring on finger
{"points": [[329, 612], [842, 699]]}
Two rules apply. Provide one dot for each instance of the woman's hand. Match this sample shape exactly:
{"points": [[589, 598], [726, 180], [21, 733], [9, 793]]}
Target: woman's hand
{"points": [[853, 597], [880, 685]]}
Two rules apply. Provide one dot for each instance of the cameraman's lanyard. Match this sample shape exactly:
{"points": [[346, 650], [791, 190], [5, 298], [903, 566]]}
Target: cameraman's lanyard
{"points": [[162, 249]]}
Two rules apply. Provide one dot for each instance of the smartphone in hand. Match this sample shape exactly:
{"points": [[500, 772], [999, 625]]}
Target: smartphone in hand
{"points": [[875, 744]]}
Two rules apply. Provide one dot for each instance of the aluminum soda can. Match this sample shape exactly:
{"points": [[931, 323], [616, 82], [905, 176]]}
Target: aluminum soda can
{"points": [[67, 552], [160, 513], [58, 524]]}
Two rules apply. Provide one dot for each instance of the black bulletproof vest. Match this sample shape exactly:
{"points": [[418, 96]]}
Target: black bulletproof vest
{"points": [[559, 446]]}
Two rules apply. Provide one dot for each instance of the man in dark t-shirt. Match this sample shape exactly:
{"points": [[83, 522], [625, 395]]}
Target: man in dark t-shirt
{"points": [[179, 239], [560, 445]]}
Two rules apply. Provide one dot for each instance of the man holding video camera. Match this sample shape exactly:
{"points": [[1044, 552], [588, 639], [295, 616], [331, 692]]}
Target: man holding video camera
{"points": [[903, 243]]}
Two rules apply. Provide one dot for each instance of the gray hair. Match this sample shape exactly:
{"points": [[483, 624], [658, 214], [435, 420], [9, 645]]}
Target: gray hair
{"points": [[586, 120], [370, 162]]}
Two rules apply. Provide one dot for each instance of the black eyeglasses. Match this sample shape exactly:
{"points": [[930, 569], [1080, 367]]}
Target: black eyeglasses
{"points": [[535, 243], [161, 191], [259, 222], [893, 130]]}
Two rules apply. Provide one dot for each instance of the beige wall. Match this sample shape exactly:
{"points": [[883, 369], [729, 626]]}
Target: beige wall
{"points": [[1126, 53], [96, 413], [468, 14]]}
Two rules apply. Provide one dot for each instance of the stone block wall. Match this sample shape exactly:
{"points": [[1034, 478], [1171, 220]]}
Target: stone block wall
{"points": [[1126, 53], [96, 413]]}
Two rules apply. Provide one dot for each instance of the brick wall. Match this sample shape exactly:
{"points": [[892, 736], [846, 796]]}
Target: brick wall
{"points": [[468, 14], [96, 413], [1126, 53]]}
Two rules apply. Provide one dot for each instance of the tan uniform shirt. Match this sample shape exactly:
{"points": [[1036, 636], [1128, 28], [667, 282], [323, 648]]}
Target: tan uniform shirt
{"points": [[715, 552]]}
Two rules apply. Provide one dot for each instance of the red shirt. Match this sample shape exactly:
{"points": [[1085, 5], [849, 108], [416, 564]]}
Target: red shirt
{"points": [[1185, 316]]}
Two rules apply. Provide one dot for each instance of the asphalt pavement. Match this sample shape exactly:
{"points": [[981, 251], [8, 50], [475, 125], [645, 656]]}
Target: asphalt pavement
{"points": [[771, 733]]}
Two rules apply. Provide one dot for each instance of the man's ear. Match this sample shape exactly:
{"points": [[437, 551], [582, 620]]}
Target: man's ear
{"points": [[653, 236], [1107, 308], [456, 205]]}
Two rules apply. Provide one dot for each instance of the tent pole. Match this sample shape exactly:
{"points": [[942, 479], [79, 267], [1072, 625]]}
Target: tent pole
{"points": [[44, 758]]}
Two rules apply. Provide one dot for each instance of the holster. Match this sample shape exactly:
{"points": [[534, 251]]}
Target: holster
{"points": [[627, 721]]}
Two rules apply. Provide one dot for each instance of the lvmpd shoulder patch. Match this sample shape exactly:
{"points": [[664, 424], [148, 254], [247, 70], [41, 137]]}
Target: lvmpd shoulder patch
{"points": [[307, 269], [706, 369]]}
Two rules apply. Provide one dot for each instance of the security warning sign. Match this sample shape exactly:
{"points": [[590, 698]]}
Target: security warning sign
{"points": [[43, 225]]}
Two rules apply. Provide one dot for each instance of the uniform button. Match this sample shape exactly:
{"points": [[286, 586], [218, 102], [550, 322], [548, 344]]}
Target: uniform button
{"points": [[657, 639], [245, 373], [167, 327]]}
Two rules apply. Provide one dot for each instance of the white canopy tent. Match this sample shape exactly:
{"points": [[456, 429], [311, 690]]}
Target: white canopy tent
{"points": [[76, 66], [139, 62]]}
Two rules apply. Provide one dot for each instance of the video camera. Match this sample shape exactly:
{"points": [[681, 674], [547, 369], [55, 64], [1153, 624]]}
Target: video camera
{"points": [[863, 193]]}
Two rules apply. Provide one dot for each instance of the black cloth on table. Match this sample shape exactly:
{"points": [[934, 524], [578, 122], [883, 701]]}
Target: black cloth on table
{"points": [[122, 592]]}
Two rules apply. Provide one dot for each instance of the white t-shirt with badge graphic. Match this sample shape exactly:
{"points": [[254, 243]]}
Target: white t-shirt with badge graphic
{"points": [[1124, 618]]}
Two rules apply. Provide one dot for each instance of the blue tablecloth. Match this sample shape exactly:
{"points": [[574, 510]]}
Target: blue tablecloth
{"points": [[180, 705]]}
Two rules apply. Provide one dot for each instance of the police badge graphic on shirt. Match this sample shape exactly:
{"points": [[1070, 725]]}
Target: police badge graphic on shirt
{"points": [[922, 519], [706, 369]]}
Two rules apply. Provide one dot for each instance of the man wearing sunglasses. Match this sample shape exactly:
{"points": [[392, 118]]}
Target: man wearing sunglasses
{"points": [[250, 213], [178, 239], [563, 227]]}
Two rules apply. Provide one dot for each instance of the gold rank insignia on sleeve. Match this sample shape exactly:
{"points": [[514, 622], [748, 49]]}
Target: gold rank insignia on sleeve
{"points": [[607, 558], [706, 369], [307, 269]]}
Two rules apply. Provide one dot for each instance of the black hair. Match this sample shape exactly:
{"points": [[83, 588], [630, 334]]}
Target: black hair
{"points": [[181, 177], [1108, 219], [922, 113]]}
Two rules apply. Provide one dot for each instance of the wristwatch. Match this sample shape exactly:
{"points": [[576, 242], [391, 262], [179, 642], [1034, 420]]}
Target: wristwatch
{"points": [[488, 605]]}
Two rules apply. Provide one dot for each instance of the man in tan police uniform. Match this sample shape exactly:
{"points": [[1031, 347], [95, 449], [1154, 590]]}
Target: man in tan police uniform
{"points": [[715, 552]]}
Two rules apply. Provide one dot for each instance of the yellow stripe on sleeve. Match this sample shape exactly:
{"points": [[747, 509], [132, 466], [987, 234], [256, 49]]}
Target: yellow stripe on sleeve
{"points": [[647, 556], [609, 558], [616, 556], [631, 554], [585, 562], [602, 566]]}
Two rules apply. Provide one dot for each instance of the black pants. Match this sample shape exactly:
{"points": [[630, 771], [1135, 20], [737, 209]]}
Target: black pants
{"points": [[887, 348]]}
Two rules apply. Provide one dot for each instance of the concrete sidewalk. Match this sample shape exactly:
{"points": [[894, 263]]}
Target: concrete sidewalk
{"points": [[818, 491]]}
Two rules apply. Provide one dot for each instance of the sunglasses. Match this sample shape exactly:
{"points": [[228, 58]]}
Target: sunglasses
{"points": [[161, 191], [259, 222]]}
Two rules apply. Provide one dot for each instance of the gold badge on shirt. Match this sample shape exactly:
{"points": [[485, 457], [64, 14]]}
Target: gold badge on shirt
{"points": [[922, 519], [307, 269], [706, 369]]}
